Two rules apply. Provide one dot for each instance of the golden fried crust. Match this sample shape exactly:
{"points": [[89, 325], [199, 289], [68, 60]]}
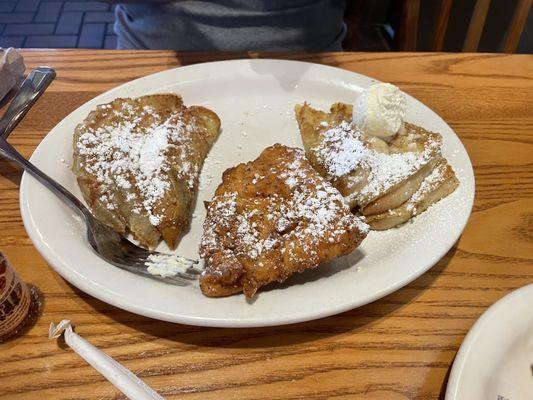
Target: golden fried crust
{"points": [[116, 193], [270, 218], [225, 276]]}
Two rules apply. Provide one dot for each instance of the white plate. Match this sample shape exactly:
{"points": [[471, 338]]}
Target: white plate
{"points": [[495, 361], [255, 100]]}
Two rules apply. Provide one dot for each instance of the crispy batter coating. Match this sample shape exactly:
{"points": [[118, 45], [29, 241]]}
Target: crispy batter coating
{"points": [[270, 218]]}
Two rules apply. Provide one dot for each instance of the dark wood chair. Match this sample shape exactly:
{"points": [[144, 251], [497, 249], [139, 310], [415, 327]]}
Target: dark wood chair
{"points": [[408, 29]]}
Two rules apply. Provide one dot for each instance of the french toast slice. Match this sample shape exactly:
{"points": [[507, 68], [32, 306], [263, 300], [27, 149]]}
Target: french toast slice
{"points": [[437, 185], [137, 162], [413, 150], [270, 218], [374, 176]]}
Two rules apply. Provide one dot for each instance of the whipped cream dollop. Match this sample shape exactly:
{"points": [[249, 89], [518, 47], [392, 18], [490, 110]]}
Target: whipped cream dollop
{"points": [[379, 110]]}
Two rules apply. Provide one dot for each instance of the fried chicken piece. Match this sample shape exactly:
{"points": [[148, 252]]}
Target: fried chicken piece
{"points": [[137, 162], [270, 218]]}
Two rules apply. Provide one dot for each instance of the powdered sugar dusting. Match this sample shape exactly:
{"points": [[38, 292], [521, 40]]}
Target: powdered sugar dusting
{"points": [[436, 176], [387, 170], [167, 265], [345, 152], [342, 149], [306, 212], [132, 153]]}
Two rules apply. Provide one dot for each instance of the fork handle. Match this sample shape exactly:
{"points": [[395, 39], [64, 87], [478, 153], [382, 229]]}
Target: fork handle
{"points": [[30, 90], [9, 152]]}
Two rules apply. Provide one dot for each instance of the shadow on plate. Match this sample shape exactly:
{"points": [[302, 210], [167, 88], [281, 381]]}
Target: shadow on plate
{"points": [[287, 81], [321, 272], [277, 336], [329, 59]]}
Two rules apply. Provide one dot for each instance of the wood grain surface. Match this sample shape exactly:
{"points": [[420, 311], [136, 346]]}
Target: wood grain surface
{"points": [[400, 347]]}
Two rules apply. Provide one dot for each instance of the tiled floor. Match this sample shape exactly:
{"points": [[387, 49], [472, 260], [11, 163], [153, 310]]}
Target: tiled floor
{"points": [[54, 23]]}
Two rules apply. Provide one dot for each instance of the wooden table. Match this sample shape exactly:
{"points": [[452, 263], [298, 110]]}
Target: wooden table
{"points": [[400, 347]]}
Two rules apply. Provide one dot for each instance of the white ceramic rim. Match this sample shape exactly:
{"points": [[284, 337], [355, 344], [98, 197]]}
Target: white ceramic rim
{"points": [[469, 342]]}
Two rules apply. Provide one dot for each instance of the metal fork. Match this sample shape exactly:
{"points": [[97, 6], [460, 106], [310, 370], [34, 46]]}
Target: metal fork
{"points": [[109, 245]]}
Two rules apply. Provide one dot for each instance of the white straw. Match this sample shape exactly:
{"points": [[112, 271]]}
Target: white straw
{"points": [[122, 378]]}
